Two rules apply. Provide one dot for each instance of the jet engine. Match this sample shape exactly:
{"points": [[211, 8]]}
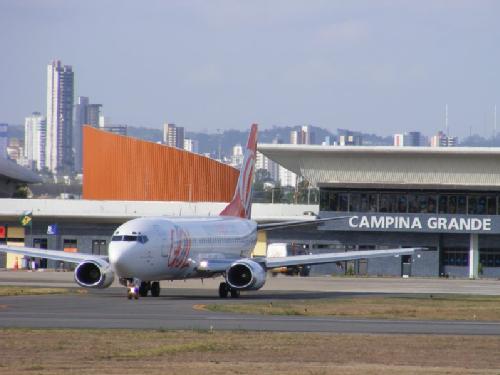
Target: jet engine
{"points": [[91, 274], [246, 274]]}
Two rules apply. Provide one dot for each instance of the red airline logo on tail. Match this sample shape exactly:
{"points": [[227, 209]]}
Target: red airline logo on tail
{"points": [[242, 200]]}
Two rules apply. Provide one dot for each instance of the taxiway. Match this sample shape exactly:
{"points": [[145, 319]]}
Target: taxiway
{"points": [[176, 308]]}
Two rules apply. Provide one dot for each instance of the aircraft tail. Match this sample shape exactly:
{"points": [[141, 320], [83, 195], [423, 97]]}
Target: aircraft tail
{"points": [[241, 204]]}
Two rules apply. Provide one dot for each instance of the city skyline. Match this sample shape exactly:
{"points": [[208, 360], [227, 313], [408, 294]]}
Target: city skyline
{"points": [[332, 65]]}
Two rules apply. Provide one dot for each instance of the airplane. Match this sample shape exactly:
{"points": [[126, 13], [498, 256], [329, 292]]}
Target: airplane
{"points": [[145, 250]]}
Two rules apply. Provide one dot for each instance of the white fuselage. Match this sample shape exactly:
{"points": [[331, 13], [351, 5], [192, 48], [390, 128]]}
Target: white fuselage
{"points": [[162, 248]]}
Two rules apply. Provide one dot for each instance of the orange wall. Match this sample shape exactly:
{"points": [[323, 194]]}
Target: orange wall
{"points": [[124, 168]]}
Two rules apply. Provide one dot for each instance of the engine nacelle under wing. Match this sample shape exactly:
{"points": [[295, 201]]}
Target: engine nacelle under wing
{"points": [[91, 274], [246, 274]]}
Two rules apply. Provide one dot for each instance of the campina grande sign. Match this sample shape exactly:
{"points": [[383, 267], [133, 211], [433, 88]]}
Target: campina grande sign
{"points": [[394, 222]]}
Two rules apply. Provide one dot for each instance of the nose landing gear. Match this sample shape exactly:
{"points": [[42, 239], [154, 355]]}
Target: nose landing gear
{"points": [[132, 292], [137, 288]]}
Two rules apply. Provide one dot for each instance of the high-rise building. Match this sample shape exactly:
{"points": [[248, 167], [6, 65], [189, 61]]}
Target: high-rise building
{"points": [[15, 151], [442, 140], [307, 137], [85, 114], [263, 162], [304, 136], [287, 178], [399, 140], [94, 114], [260, 161], [413, 139], [104, 121], [60, 91], [237, 156], [191, 145], [35, 138], [349, 138], [173, 135], [4, 139]]}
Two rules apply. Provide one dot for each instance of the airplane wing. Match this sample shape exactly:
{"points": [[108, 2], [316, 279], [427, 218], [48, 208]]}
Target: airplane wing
{"points": [[212, 266], [51, 254], [296, 223], [297, 260]]}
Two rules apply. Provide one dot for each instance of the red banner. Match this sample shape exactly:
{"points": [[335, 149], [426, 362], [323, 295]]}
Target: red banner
{"points": [[2, 232]]}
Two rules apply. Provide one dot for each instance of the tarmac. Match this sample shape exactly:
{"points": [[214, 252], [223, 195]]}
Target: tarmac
{"points": [[175, 308]]}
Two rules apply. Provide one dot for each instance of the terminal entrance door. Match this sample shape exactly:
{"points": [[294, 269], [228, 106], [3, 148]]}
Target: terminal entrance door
{"points": [[99, 247], [362, 266], [41, 243], [406, 265]]}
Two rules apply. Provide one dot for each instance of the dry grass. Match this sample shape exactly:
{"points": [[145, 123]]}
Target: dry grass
{"points": [[193, 352], [428, 307], [27, 290]]}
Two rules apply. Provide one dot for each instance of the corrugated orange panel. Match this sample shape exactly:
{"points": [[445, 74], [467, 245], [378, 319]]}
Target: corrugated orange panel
{"points": [[123, 168]]}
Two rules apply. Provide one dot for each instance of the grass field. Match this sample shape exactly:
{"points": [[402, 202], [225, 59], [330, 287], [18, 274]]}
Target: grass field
{"points": [[28, 290], [58, 351], [429, 307]]}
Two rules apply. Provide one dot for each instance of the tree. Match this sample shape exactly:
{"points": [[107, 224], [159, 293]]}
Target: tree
{"points": [[21, 192]]}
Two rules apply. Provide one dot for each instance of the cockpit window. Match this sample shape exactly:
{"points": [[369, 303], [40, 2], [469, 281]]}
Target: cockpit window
{"points": [[140, 238]]}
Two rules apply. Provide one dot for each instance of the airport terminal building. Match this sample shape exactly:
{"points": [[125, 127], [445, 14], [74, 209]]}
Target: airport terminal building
{"points": [[443, 199]]}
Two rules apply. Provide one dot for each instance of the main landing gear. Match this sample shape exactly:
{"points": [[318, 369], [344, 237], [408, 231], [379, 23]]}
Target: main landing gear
{"points": [[225, 290], [136, 288]]}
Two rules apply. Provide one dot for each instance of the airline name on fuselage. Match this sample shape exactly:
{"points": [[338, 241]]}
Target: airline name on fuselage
{"points": [[415, 223]]}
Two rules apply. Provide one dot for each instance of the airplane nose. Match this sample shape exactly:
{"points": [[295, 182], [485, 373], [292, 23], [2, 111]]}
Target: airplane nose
{"points": [[120, 259]]}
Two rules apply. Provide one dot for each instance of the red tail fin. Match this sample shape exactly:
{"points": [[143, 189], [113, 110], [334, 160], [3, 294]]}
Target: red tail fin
{"points": [[242, 200]]}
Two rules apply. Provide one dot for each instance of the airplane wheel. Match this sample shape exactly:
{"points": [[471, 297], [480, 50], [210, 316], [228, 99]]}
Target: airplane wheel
{"points": [[144, 288], [223, 290], [133, 293], [235, 293], [155, 289]]}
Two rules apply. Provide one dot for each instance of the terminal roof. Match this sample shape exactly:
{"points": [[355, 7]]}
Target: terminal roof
{"points": [[12, 171], [450, 168]]}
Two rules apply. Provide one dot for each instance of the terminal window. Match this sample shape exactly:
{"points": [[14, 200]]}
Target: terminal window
{"points": [[422, 203], [70, 245], [489, 257], [408, 202], [363, 202], [455, 257]]}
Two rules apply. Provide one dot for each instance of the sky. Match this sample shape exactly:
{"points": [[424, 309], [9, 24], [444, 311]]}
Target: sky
{"points": [[373, 66]]}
